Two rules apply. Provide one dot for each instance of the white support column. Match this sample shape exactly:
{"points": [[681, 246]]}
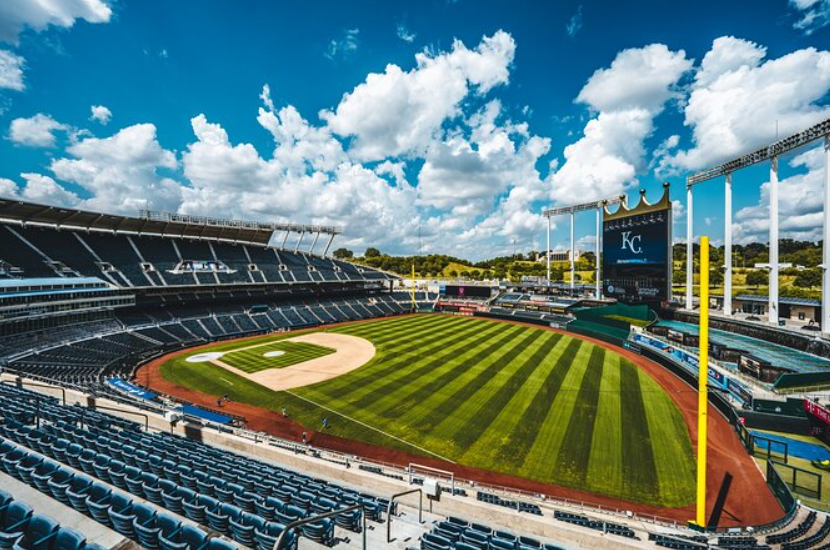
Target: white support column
{"points": [[598, 282], [573, 266], [825, 285], [314, 243], [773, 241], [690, 249], [299, 242], [548, 251], [328, 245], [727, 247]]}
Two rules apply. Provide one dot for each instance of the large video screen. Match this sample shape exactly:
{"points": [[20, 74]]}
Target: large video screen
{"points": [[636, 258], [466, 291]]}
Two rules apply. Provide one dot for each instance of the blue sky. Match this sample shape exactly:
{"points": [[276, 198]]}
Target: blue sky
{"points": [[463, 145]]}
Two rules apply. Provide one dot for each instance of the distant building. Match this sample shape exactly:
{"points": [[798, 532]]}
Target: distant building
{"points": [[558, 256], [802, 309]]}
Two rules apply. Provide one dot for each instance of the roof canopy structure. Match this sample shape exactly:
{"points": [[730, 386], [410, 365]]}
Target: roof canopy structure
{"points": [[153, 223]]}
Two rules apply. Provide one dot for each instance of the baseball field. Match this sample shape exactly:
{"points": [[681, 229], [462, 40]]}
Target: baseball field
{"points": [[506, 398]]}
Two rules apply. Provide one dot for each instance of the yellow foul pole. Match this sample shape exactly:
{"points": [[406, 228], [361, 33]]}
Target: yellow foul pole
{"points": [[703, 382]]}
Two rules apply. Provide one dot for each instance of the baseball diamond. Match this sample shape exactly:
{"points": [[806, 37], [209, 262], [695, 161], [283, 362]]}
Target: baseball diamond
{"points": [[511, 399]]}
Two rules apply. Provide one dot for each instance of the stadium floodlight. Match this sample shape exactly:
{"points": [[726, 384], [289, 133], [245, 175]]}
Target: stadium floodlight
{"points": [[726, 169], [157, 215], [270, 227], [572, 210]]}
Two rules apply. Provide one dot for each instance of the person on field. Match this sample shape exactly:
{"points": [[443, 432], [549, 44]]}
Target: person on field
{"points": [[284, 412], [325, 423]]}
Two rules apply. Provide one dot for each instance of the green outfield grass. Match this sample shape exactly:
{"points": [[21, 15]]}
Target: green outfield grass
{"points": [[506, 398], [251, 358]]}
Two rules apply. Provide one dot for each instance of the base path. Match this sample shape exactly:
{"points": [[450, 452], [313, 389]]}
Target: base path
{"points": [[736, 486], [350, 353]]}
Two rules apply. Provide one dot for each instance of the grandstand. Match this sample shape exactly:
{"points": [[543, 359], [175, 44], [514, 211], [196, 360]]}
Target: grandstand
{"points": [[87, 296]]}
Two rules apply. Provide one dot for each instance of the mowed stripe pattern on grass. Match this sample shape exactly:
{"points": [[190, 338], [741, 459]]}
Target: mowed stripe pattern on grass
{"points": [[507, 398], [518, 400], [253, 359]]}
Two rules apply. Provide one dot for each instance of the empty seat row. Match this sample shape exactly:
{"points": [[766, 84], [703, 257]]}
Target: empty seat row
{"points": [[794, 533], [604, 526], [458, 534], [137, 521]]}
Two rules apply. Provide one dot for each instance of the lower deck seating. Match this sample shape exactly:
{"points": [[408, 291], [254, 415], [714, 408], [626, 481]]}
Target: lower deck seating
{"points": [[88, 355], [21, 529], [605, 526], [458, 534], [232, 494]]}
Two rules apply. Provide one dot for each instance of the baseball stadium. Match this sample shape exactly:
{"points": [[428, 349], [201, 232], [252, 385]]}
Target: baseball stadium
{"points": [[204, 348]]}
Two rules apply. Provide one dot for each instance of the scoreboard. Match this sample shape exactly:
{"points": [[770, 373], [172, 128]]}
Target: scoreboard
{"points": [[636, 252], [466, 291]]}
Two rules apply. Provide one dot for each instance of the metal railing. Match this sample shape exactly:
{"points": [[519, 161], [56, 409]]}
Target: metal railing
{"points": [[305, 521], [391, 504]]}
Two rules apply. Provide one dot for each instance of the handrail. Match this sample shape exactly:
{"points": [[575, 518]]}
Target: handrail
{"points": [[146, 417], [304, 521], [392, 501], [22, 382]]}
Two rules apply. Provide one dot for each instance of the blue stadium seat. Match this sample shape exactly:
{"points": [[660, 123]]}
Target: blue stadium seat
{"points": [[59, 483], [13, 524], [266, 538], [144, 525], [98, 502], [77, 492], [39, 535], [186, 538], [121, 515], [69, 539]]}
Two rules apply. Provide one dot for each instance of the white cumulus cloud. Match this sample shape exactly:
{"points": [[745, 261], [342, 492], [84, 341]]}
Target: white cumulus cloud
{"points": [[812, 15], [11, 71], [39, 14], [100, 114], [800, 206], [739, 101], [36, 131], [399, 112], [627, 96], [123, 172]]}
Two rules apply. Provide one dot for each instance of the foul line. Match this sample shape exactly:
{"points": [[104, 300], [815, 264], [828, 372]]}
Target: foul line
{"points": [[368, 426]]}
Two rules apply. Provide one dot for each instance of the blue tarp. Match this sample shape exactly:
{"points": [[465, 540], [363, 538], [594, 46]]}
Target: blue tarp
{"points": [[132, 389], [190, 410], [795, 447]]}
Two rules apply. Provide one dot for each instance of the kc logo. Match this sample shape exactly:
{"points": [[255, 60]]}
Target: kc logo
{"points": [[632, 243]]}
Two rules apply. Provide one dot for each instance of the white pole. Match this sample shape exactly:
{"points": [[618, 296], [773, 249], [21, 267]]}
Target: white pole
{"points": [[690, 250], [598, 283], [572, 254], [727, 247], [773, 241], [825, 285]]}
